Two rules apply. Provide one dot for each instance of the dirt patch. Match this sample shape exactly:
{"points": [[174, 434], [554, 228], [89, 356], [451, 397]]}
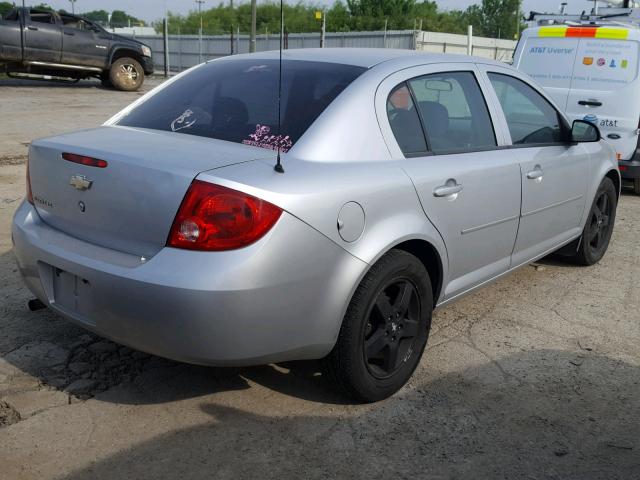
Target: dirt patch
{"points": [[12, 160], [95, 365], [8, 415]]}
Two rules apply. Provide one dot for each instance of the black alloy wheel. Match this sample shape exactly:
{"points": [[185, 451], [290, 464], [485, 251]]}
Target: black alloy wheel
{"points": [[599, 227], [384, 330], [391, 328], [600, 222]]}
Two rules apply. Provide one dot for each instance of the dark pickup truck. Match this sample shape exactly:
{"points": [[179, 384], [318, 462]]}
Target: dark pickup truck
{"points": [[46, 43]]}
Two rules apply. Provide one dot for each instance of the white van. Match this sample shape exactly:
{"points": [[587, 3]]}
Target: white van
{"points": [[591, 71]]}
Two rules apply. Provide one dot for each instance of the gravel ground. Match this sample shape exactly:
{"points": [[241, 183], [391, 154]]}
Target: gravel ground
{"points": [[536, 376]]}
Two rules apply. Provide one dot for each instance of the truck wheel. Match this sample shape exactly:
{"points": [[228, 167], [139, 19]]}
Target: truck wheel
{"points": [[126, 74], [636, 186], [384, 330]]}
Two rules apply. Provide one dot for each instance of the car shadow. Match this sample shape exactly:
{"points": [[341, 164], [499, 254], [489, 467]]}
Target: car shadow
{"points": [[534, 414], [627, 190], [16, 82], [63, 356]]}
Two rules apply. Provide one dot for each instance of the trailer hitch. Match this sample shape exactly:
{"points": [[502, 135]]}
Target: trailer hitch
{"points": [[35, 304]]}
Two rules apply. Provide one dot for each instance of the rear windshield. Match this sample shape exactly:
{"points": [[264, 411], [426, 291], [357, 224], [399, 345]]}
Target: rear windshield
{"points": [[237, 101]]}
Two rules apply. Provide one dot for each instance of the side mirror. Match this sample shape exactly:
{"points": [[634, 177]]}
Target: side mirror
{"points": [[583, 132]]}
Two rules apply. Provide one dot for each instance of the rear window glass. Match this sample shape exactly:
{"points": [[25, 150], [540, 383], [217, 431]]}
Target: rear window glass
{"points": [[549, 60], [605, 65], [237, 101]]}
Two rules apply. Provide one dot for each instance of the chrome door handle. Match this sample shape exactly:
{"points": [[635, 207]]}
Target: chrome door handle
{"points": [[30, 27], [536, 173], [451, 188]]}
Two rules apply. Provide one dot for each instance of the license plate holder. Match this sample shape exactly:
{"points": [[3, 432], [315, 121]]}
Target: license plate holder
{"points": [[71, 292]]}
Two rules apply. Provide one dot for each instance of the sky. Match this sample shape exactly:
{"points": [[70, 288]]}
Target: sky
{"points": [[150, 10]]}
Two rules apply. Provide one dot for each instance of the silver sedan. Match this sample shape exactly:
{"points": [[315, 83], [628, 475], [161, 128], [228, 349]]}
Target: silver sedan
{"points": [[405, 180]]}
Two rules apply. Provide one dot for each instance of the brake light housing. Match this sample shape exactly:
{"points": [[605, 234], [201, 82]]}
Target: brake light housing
{"points": [[84, 160], [215, 218]]}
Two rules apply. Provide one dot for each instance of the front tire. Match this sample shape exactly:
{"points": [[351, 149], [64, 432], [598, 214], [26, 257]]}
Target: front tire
{"points": [[126, 74], [384, 331], [599, 228]]}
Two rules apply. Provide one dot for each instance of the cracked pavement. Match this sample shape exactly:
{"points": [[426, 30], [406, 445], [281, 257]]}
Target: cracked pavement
{"points": [[536, 376]]}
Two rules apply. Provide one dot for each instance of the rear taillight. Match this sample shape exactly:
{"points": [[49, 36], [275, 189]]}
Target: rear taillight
{"points": [[84, 160], [29, 193], [212, 217]]}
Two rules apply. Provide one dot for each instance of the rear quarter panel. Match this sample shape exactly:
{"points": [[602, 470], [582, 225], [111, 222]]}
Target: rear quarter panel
{"points": [[315, 193], [602, 160]]}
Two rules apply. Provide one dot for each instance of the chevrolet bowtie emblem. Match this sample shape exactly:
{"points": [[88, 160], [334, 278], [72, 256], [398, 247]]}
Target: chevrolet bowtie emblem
{"points": [[80, 182]]}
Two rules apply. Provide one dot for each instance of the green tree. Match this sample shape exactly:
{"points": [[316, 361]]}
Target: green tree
{"points": [[98, 16], [338, 18], [496, 18], [43, 6], [5, 7], [492, 18], [120, 18]]}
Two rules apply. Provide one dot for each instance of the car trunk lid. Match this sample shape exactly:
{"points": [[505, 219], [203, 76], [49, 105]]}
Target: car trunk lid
{"points": [[130, 204]]}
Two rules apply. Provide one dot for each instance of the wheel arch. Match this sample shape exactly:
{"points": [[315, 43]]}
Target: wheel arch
{"points": [[430, 258], [614, 175], [424, 250], [120, 52]]}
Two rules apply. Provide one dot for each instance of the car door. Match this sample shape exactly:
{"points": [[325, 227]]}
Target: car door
{"points": [[439, 126], [82, 43], [10, 37], [554, 171], [43, 37]]}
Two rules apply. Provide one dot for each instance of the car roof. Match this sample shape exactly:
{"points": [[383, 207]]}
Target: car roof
{"points": [[364, 57]]}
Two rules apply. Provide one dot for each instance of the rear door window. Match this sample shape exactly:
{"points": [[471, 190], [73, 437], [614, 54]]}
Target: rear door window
{"points": [[453, 112], [405, 121], [237, 101]]}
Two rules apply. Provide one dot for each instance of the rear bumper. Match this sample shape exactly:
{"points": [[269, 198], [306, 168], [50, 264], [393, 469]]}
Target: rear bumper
{"points": [[282, 298], [630, 169]]}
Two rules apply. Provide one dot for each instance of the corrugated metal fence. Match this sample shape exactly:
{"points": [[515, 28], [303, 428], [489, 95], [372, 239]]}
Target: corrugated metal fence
{"points": [[494, 48], [184, 50]]}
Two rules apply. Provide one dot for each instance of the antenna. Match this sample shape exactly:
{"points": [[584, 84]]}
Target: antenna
{"points": [[278, 167]]}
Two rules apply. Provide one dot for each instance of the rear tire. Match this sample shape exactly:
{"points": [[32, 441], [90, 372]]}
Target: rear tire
{"points": [[384, 331], [636, 186], [126, 74], [599, 228]]}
